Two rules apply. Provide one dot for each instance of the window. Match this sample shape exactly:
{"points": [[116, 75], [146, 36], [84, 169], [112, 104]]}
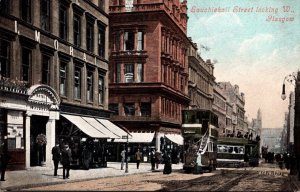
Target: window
{"points": [[4, 58], [140, 41], [118, 73], [63, 21], [129, 109], [45, 15], [117, 41], [101, 41], [128, 41], [114, 107], [76, 29], [129, 73], [62, 78], [101, 89], [101, 4], [45, 69], [89, 86], [4, 6], [140, 73], [26, 64], [145, 109], [26, 10], [90, 35], [77, 82]]}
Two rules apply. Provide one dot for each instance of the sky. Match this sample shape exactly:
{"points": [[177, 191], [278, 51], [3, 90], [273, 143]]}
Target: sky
{"points": [[255, 49]]}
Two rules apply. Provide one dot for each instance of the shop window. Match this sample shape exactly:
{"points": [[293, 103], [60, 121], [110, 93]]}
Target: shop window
{"points": [[25, 6], [114, 107], [62, 78], [45, 14], [26, 64], [90, 85], [63, 21], [146, 109], [140, 41], [128, 41], [101, 41], [101, 90], [45, 69], [129, 109], [4, 58], [129, 73], [140, 73], [77, 30], [90, 35], [77, 82]]}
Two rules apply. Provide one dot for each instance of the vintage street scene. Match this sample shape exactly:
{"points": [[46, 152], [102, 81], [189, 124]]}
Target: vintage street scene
{"points": [[149, 95]]}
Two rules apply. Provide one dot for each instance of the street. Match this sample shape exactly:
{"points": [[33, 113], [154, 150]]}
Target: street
{"points": [[266, 177]]}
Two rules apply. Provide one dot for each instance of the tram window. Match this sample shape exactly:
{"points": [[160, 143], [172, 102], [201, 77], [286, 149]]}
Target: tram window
{"points": [[230, 150], [236, 150], [241, 150]]}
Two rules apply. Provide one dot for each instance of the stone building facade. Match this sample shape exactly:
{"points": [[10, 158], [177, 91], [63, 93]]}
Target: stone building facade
{"points": [[237, 100], [54, 61], [201, 79], [219, 108], [148, 67]]}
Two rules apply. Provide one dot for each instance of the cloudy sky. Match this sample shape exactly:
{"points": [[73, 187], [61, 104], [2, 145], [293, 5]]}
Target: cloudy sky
{"points": [[254, 49]]}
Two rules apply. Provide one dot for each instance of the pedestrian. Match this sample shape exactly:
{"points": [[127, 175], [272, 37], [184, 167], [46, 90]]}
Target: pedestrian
{"points": [[167, 162], [157, 158], [123, 154], [56, 157], [152, 159], [138, 156], [4, 158], [66, 158]]}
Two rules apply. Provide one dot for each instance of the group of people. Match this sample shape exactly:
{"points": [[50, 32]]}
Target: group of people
{"points": [[155, 159], [64, 156]]}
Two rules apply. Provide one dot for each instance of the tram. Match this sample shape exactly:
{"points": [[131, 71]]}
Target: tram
{"points": [[199, 130], [237, 152]]}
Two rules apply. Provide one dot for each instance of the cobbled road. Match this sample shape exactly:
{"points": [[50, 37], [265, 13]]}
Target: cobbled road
{"points": [[264, 178]]}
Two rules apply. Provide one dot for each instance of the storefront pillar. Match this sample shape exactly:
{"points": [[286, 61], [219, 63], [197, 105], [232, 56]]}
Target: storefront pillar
{"points": [[157, 141], [50, 134], [27, 139]]}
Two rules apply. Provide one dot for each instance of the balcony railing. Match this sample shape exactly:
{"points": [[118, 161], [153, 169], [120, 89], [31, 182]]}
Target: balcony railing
{"points": [[13, 85]]}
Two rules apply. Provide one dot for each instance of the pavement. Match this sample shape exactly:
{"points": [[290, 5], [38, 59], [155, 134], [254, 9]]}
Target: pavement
{"points": [[40, 176]]}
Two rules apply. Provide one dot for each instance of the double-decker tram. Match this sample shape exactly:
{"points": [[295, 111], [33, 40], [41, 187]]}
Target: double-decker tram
{"points": [[199, 130]]}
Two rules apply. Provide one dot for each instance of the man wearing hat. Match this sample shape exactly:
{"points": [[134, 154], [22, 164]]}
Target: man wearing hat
{"points": [[66, 160]]}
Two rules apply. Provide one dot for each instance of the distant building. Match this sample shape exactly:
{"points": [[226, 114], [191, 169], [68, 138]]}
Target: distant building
{"points": [[271, 138], [219, 108]]}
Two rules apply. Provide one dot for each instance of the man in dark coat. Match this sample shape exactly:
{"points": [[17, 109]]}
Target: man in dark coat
{"points": [[66, 161], [152, 159], [167, 162], [56, 157], [4, 157]]}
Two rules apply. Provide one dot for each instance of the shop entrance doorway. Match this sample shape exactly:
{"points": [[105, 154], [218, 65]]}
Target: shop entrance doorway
{"points": [[37, 140]]}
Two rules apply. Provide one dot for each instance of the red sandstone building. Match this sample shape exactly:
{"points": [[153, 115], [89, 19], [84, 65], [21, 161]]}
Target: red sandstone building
{"points": [[148, 69]]}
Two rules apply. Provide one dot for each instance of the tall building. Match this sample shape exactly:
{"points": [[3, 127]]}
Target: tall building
{"points": [[53, 75], [219, 108], [148, 69], [237, 98], [201, 79]]}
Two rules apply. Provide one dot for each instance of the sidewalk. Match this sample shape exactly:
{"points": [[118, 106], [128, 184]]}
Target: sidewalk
{"points": [[38, 176]]}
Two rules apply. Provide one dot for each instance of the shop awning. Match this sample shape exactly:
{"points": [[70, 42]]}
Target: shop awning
{"points": [[113, 128], [84, 126], [97, 125], [175, 138], [138, 138]]}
